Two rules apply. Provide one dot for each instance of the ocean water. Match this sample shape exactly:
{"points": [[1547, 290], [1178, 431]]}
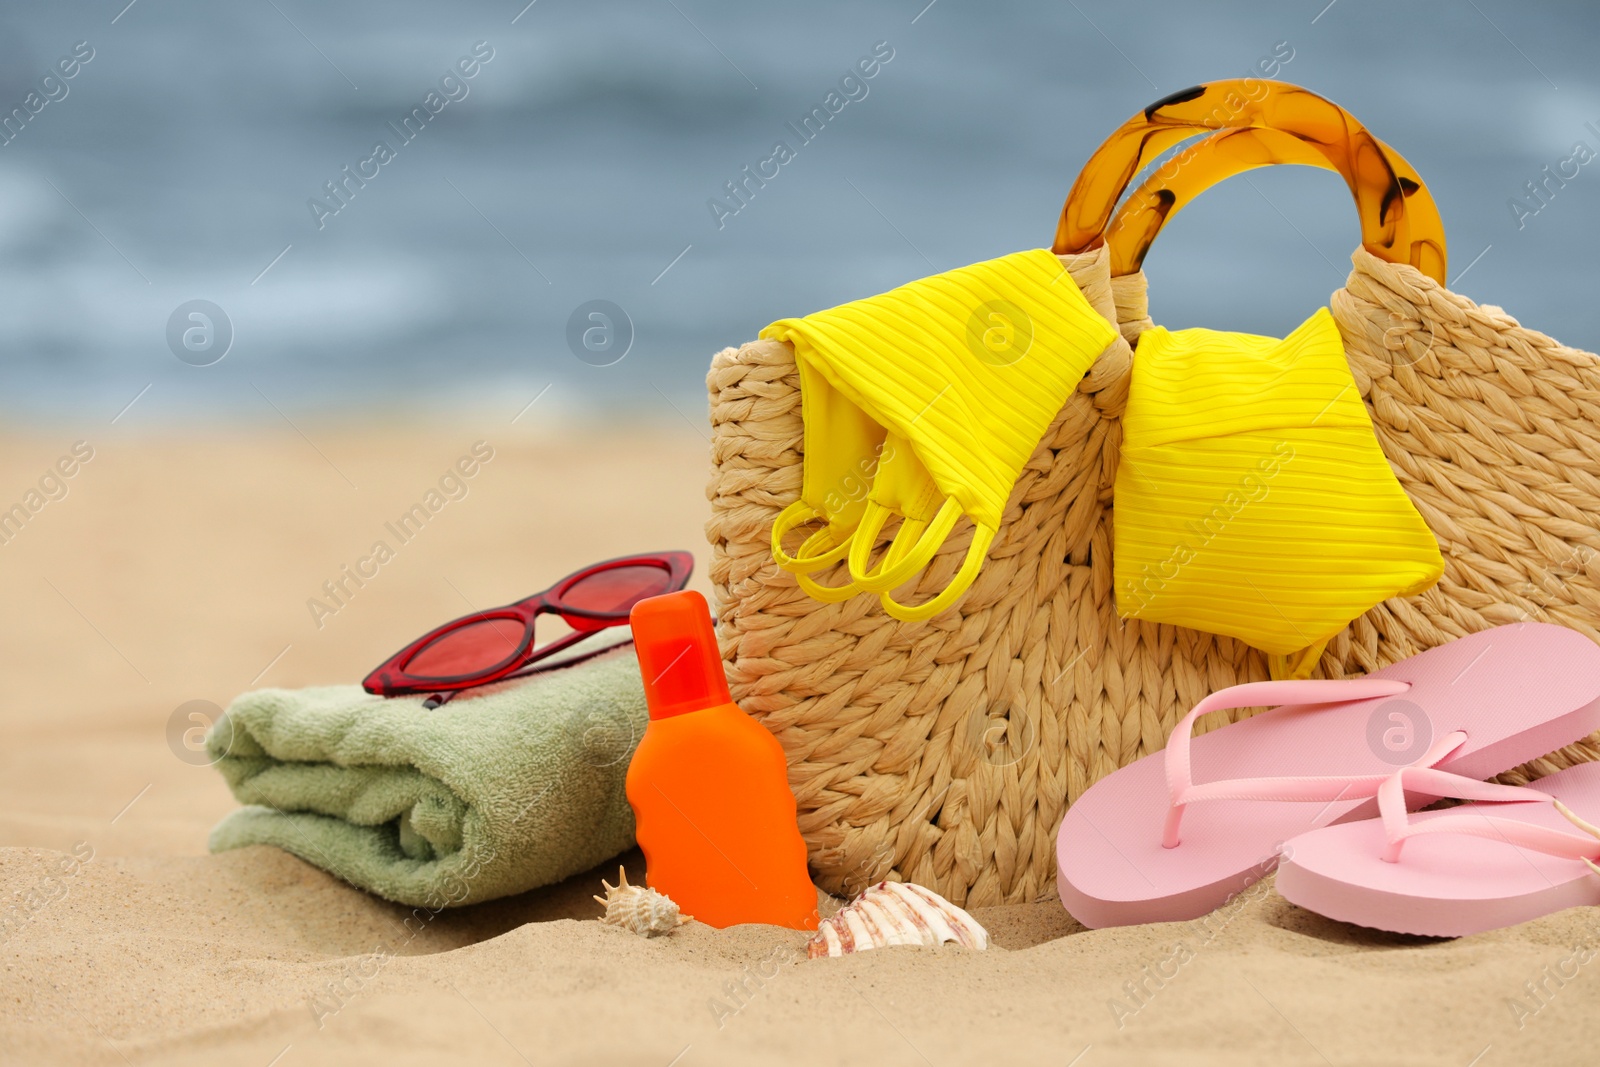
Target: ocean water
{"points": [[186, 157]]}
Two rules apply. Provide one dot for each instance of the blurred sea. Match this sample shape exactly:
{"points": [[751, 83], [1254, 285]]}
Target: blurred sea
{"points": [[576, 164]]}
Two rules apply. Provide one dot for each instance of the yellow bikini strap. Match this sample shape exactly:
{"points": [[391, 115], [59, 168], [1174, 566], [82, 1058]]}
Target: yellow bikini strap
{"points": [[982, 538], [911, 550], [827, 594], [795, 515], [1299, 664]]}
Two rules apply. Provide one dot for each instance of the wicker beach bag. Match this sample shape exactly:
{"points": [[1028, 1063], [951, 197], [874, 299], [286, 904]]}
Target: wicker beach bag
{"points": [[945, 752]]}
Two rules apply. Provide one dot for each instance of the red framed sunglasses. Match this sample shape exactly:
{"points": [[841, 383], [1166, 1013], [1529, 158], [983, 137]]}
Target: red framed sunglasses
{"points": [[493, 645]]}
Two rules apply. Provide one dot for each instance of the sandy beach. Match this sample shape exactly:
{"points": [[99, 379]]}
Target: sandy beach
{"points": [[180, 568]]}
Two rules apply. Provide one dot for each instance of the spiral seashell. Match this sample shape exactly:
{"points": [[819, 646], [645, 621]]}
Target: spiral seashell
{"points": [[895, 913], [643, 911]]}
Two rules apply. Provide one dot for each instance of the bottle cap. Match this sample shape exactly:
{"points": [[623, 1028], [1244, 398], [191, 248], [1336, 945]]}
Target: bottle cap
{"points": [[678, 655]]}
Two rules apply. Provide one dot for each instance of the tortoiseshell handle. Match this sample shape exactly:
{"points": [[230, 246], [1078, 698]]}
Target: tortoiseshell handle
{"points": [[1419, 230], [1261, 123]]}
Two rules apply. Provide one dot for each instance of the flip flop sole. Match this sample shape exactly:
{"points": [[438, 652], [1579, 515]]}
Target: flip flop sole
{"points": [[1446, 885], [1517, 692]]}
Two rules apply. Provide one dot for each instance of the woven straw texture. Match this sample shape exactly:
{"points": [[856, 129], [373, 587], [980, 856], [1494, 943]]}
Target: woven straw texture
{"points": [[945, 752]]}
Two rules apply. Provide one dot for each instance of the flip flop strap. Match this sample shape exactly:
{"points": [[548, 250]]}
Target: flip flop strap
{"points": [[1398, 827], [1180, 776]]}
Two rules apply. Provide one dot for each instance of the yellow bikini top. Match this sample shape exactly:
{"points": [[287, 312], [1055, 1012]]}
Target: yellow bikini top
{"points": [[1252, 497], [924, 403]]}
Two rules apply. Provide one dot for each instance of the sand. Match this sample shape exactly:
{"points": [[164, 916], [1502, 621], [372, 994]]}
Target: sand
{"points": [[178, 568]]}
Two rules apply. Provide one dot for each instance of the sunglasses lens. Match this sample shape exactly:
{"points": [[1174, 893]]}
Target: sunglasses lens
{"points": [[617, 589], [476, 648]]}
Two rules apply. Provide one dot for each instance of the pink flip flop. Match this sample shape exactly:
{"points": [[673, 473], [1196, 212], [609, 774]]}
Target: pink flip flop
{"points": [[1458, 871], [1146, 844]]}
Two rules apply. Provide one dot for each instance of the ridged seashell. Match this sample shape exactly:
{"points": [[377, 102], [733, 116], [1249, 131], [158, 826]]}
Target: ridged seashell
{"points": [[643, 911], [895, 913]]}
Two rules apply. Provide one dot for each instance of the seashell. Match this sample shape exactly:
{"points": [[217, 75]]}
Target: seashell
{"points": [[895, 913], [643, 911]]}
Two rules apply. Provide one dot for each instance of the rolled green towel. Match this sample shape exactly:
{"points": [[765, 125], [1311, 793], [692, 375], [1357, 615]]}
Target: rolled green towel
{"points": [[499, 791]]}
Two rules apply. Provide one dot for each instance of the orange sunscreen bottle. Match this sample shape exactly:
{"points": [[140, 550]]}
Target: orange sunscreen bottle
{"points": [[709, 785]]}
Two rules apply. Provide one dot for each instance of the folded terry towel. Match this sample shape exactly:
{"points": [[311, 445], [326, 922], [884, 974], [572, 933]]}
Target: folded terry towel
{"points": [[499, 791]]}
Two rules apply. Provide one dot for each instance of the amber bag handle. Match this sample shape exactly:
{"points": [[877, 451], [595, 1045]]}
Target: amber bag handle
{"points": [[1284, 124], [1229, 152]]}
